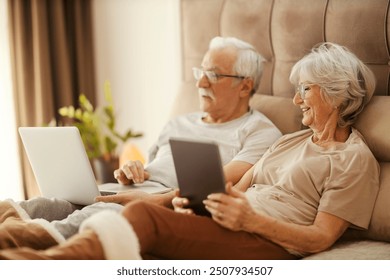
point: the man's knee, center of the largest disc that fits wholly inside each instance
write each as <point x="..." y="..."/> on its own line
<point x="131" y="208"/>
<point x="49" y="209"/>
<point x="138" y="210"/>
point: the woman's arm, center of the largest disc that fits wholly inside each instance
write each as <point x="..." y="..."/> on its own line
<point x="314" y="238"/>
<point x="235" y="170"/>
<point x="245" y="179"/>
<point x="234" y="212"/>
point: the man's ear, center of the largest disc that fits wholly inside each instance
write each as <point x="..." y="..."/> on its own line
<point x="246" y="87"/>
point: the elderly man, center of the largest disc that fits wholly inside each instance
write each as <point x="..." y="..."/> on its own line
<point x="228" y="77"/>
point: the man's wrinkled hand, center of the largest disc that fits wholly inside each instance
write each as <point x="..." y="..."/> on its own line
<point x="132" y="172"/>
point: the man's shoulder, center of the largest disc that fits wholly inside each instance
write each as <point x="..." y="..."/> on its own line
<point x="256" y="115"/>
<point x="258" y="120"/>
<point x="191" y="117"/>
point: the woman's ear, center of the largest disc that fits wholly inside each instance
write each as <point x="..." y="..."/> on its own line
<point x="246" y="87"/>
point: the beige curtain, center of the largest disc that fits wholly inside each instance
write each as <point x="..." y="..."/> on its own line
<point x="52" y="60"/>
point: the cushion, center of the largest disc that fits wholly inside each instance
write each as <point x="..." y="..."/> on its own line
<point x="374" y="124"/>
<point x="380" y="222"/>
<point x="379" y="228"/>
<point x="358" y="250"/>
<point x="280" y="110"/>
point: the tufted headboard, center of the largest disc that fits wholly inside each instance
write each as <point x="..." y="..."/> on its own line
<point x="283" y="31"/>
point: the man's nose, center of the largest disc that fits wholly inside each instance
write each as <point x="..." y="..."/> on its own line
<point x="203" y="82"/>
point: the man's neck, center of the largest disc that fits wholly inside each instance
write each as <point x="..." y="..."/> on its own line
<point x="223" y="118"/>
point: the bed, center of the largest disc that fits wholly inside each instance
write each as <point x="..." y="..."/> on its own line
<point x="283" y="31"/>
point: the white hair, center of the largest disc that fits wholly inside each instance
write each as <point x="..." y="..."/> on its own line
<point x="345" y="81"/>
<point x="249" y="62"/>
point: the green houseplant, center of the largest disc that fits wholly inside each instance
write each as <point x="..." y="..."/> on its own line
<point x="98" y="131"/>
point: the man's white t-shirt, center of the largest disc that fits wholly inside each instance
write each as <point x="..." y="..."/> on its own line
<point x="244" y="139"/>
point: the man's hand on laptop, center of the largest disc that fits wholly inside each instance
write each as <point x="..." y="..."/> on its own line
<point x="131" y="172"/>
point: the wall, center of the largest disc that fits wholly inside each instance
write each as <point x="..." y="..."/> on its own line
<point x="138" y="51"/>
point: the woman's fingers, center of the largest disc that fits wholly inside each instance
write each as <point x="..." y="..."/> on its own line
<point x="179" y="204"/>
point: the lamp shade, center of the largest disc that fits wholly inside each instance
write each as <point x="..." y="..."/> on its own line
<point x="130" y="152"/>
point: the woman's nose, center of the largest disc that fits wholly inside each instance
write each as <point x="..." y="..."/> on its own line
<point x="297" y="99"/>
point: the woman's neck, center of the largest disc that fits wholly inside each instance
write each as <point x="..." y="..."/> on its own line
<point x="330" y="136"/>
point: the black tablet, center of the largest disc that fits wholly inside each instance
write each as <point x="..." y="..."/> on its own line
<point x="199" y="171"/>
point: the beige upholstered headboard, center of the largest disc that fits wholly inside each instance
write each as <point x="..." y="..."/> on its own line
<point x="283" y="31"/>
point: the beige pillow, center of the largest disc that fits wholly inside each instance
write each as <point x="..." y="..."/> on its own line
<point x="380" y="222"/>
<point x="379" y="228"/>
<point x="374" y="124"/>
<point x="280" y="110"/>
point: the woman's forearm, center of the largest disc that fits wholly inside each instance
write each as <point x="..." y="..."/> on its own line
<point x="317" y="237"/>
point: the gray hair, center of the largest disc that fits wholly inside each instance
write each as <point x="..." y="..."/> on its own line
<point x="249" y="62"/>
<point x="345" y="81"/>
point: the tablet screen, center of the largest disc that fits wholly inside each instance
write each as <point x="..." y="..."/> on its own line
<point x="199" y="171"/>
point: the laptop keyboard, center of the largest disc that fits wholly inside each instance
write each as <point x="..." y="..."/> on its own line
<point x="103" y="193"/>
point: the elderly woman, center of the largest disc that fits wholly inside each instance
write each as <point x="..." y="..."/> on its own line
<point x="302" y="195"/>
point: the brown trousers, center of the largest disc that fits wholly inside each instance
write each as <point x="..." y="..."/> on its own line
<point x="165" y="234"/>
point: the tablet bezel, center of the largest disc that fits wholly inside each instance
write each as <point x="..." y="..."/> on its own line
<point x="199" y="171"/>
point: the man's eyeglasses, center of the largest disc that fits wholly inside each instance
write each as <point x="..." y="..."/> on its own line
<point x="301" y="89"/>
<point x="211" y="75"/>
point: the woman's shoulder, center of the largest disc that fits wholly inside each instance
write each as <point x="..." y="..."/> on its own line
<point x="356" y="137"/>
<point x="293" y="138"/>
<point x="357" y="144"/>
<point x="297" y="135"/>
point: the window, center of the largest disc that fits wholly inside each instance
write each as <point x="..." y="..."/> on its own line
<point x="10" y="173"/>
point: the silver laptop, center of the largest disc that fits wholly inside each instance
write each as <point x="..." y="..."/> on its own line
<point x="62" y="168"/>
